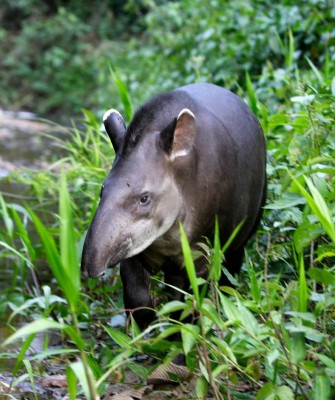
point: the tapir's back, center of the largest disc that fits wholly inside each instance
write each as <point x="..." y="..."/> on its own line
<point x="231" y="156"/>
<point x="234" y="115"/>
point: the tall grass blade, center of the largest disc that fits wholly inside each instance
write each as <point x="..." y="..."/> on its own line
<point x="17" y="253"/>
<point x="68" y="243"/>
<point x="255" y="286"/>
<point x="6" y="218"/>
<point x="79" y="371"/>
<point x="189" y="264"/>
<point x="55" y="262"/>
<point x="318" y="206"/>
<point x="303" y="292"/>
<point x="317" y="73"/>
<point x="34" y="327"/>
<point x="71" y="379"/>
<point x="290" y="53"/>
<point x="232" y="236"/>
<point x="22" y="231"/>
<point x="31" y="376"/>
<point x="215" y="271"/>
<point x="123" y="92"/>
<point x="251" y="94"/>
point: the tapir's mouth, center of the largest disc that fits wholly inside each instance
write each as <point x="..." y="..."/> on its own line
<point x="96" y="269"/>
<point x="120" y="254"/>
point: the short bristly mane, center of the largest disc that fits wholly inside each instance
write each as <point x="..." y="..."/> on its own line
<point x="154" y="116"/>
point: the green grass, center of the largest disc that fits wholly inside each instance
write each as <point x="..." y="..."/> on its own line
<point x="268" y="336"/>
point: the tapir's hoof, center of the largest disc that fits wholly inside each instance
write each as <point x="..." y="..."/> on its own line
<point x="168" y="373"/>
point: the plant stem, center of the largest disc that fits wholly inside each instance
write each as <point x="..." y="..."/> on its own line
<point x="92" y="389"/>
<point x="212" y="383"/>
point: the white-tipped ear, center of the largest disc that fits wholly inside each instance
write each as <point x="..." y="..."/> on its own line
<point x="115" y="127"/>
<point x="184" y="134"/>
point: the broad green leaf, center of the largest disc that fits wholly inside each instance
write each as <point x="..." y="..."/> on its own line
<point x="322" y="275"/>
<point x="273" y="356"/>
<point x="225" y="348"/>
<point x="79" y="371"/>
<point x="305" y="233"/>
<point x="189" y="334"/>
<point x="201" y="387"/>
<point x="266" y="391"/>
<point x="232" y="313"/>
<point x="135" y="330"/>
<point x="327" y="361"/>
<point x="322" y="387"/>
<point x="38" y="326"/>
<point x="210" y="312"/>
<point x="248" y="320"/>
<point x="71" y="379"/>
<point x="297" y="347"/>
<point x="286" y="201"/>
<point x="304" y="316"/>
<point x="310" y="333"/>
<point x="271" y="392"/>
<point x="120" y="338"/>
<point x="284" y="393"/>
<point x="305" y="100"/>
<point x="171" y="306"/>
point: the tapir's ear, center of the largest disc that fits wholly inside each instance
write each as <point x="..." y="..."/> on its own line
<point x="178" y="138"/>
<point x="115" y="127"/>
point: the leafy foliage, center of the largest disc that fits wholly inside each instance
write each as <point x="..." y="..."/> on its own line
<point x="272" y="330"/>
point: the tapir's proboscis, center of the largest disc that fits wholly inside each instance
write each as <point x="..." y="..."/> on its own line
<point x="189" y="156"/>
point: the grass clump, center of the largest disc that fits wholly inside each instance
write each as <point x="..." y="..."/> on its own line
<point x="270" y="334"/>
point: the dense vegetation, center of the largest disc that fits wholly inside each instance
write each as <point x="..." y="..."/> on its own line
<point x="268" y="336"/>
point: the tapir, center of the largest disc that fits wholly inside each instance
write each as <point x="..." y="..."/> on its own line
<point x="190" y="156"/>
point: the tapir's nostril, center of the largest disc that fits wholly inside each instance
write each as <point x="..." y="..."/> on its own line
<point x="86" y="273"/>
<point x="96" y="274"/>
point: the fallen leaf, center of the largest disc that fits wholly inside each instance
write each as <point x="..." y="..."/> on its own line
<point x="168" y="373"/>
<point x="54" y="381"/>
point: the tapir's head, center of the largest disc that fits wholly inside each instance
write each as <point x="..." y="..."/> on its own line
<point x="140" y="199"/>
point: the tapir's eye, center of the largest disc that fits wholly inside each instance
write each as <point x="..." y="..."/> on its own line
<point x="145" y="199"/>
<point x="101" y="190"/>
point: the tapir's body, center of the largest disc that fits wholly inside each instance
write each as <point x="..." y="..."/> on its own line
<point x="189" y="156"/>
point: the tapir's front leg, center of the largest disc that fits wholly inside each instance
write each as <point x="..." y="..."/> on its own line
<point x="136" y="296"/>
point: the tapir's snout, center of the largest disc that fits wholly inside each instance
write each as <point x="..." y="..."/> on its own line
<point x="86" y="273"/>
<point x="96" y="259"/>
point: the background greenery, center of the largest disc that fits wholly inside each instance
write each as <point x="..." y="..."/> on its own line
<point x="269" y="336"/>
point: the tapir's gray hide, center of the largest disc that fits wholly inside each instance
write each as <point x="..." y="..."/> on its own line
<point x="189" y="156"/>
